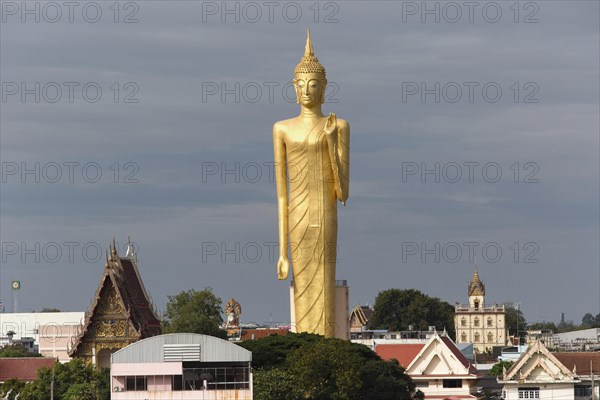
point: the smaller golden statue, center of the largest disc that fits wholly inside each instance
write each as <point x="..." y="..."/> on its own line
<point x="233" y="310"/>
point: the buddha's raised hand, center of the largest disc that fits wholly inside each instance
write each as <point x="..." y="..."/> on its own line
<point x="330" y="128"/>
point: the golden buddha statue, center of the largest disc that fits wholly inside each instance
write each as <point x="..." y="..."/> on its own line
<point x="312" y="161"/>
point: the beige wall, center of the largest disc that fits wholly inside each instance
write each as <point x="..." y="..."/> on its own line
<point x="467" y="332"/>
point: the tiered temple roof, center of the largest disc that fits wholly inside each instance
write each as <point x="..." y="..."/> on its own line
<point x="120" y="313"/>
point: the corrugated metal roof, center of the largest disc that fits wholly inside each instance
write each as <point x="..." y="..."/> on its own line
<point x="151" y="350"/>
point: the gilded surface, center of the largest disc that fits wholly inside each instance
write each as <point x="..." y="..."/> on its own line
<point x="312" y="150"/>
<point x="110" y="303"/>
<point x="111" y="328"/>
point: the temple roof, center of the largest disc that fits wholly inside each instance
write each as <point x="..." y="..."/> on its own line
<point x="476" y="286"/>
<point x="23" y="369"/>
<point x="122" y="274"/>
<point x="439" y="355"/>
<point x="362" y="313"/>
<point x="583" y="363"/>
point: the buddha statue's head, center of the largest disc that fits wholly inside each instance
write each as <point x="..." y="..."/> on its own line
<point x="310" y="80"/>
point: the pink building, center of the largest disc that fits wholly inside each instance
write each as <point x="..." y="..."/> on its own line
<point x="181" y="366"/>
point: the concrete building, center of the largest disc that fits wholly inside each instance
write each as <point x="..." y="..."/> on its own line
<point x="540" y="374"/>
<point x="437" y="367"/>
<point x="342" y="311"/>
<point x="181" y="366"/>
<point x="478" y="323"/>
<point x="581" y="340"/>
<point x="51" y="331"/>
<point x="373" y="338"/>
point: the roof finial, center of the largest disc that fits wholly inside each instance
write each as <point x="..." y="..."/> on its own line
<point x="114" y="246"/>
<point x="107" y="257"/>
<point x="308" y="49"/>
<point x="130" y="252"/>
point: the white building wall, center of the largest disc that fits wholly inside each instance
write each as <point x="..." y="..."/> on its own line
<point x="548" y="391"/>
<point x="51" y="331"/>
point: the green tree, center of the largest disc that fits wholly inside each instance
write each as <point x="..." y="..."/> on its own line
<point x="589" y="321"/>
<point x="397" y="309"/>
<point x="270" y="384"/>
<point x="567" y="326"/>
<point x="273" y="350"/>
<point x="12" y="384"/>
<point x="498" y="368"/>
<point x="306" y="366"/>
<point x="45" y="310"/>
<point x="543" y="325"/>
<point x="515" y="321"/>
<point x="16" y="350"/>
<point x="333" y="369"/>
<point x="82" y="391"/>
<point x="74" y="374"/>
<point x="194" y="311"/>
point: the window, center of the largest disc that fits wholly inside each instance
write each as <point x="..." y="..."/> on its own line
<point x="583" y="391"/>
<point x="529" y="392"/>
<point x="452" y="383"/>
<point x="463" y="337"/>
<point x="490" y="336"/>
<point x="135" y="383"/>
<point x="463" y="322"/>
<point x="477" y="337"/>
<point x="476" y="322"/>
<point x="421" y="384"/>
<point x="216" y="378"/>
<point x="177" y="382"/>
<point x="476" y="304"/>
<point x="489" y="322"/>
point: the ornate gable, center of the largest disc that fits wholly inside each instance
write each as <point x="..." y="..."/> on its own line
<point x="120" y="313"/>
<point x="538" y="365"/>
<point x="440" y="356"/>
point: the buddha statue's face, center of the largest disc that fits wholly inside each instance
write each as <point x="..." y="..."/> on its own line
<point x="310" y="89"/>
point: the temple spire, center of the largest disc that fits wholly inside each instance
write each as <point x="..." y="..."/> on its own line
<point x="476" y="286"/>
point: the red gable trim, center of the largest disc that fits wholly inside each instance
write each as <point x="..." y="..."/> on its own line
<point x="404" y="353"/>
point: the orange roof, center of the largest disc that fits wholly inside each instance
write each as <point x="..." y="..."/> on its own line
<point x="404" y="353"/>
<point x="23" y="368"/>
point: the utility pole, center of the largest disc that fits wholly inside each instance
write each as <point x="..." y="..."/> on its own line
<point x="52" y="384"/>
<point x="592" y="375"/>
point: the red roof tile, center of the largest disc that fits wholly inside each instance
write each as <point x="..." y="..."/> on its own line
<point x="580" y="359"/>
<point x="23" y="369"/>
<point x="261" y="333"/>
<point x="404" y="353"/>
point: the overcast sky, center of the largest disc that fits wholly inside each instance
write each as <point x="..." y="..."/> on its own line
<point x="474" y="126"/>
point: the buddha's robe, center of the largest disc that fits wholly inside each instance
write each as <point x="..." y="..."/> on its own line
<point x="312" y="215"/>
